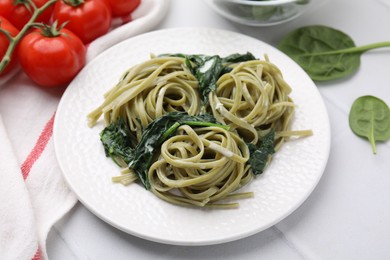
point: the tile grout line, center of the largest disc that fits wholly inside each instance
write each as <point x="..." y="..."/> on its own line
<point x="65" y="242"/>
<point x="289" y="243"/>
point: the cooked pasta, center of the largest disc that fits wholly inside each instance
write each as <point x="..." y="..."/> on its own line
<point x="253" y="97"/>
<point x="204" y="165"/>
<point x="179" y="152"/>
<point x="149" y="90"/>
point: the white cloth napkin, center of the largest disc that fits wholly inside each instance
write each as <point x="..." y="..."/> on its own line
<point x="33" y="193"/>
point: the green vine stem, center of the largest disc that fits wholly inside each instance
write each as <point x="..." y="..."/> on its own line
<point x="15" y="40"/>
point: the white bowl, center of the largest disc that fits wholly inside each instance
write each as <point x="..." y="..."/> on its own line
<point x="260" y="13"/>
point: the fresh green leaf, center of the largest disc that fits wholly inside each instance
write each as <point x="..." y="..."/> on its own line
<point x="259" y="155"/>
<point x="325" y="53"/>
<point x="370" y="118"/>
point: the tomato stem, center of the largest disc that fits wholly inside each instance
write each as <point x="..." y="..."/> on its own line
<point x="27" y="3"/>
<point x="50" y="30"/>
<point x="15" y="40"/>
<point x="74" y="3"/>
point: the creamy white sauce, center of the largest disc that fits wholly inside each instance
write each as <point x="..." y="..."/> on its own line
<point x="206" y="66"/>
<point x="219" y="106"/>
<point x="149" y="147"/>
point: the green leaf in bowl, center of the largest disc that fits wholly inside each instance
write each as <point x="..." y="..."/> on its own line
<point x="264" y="12"/>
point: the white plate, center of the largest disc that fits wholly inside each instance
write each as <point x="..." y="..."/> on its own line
<point x="291" y="177"/>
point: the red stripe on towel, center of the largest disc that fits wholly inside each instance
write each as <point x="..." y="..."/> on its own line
<point x="39" y="147"/>
<point x="37" y="255"/>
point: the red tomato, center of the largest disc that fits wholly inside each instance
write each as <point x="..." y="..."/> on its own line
<point x="52" y="60"/>
<point x="88" y="20"/>
<point x="4" y="43"/>
<point x="19" y="15"/>
<point x="122" y="7"/>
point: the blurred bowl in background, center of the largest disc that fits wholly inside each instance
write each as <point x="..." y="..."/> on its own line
<point x="260" y="12"/>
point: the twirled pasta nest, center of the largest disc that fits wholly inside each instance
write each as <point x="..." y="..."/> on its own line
<point x="199" y="165"/>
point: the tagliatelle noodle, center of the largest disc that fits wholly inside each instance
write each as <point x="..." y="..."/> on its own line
<point x="253" y="98"/>
<point x="147" y="91"/>
<point x="200" y="166"/>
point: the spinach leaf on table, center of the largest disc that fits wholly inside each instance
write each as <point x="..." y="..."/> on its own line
<point x="324" y="52"/>
<point x="370" y="118"/>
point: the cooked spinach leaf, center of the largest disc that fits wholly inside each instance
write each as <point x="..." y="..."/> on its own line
<point x="208" y="69"/>
<point x="260" y="154"/>
<point x="157" y="132"/>
<point x="325" y="53"/>
<point x="370" y="118"/>
<point x="117" y="142"/>
<point x="141" y="157"/>
<point x="237" y="57"/>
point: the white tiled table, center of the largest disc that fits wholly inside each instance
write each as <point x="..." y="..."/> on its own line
<point x="348" y="214"/>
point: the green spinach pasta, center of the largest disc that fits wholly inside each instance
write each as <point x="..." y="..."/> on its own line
<point x="194" y="129"/>
<point x="148" y="91"/>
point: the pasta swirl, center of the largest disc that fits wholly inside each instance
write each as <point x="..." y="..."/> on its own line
<point x="205" y="153"/>
<point x="200" y="166"/>
<point x="149" y="90"/>
<point x="253" y="95"/>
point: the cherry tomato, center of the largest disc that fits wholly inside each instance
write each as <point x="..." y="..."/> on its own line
<point x="18" y="14"/>
<point x="52" y="60"/>
<point x="4" y="43"/>
<point x="122" y="7"/>
<point x="88" y="19"/>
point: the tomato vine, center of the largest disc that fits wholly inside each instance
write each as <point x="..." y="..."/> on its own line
<point x="15" y="40"/>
